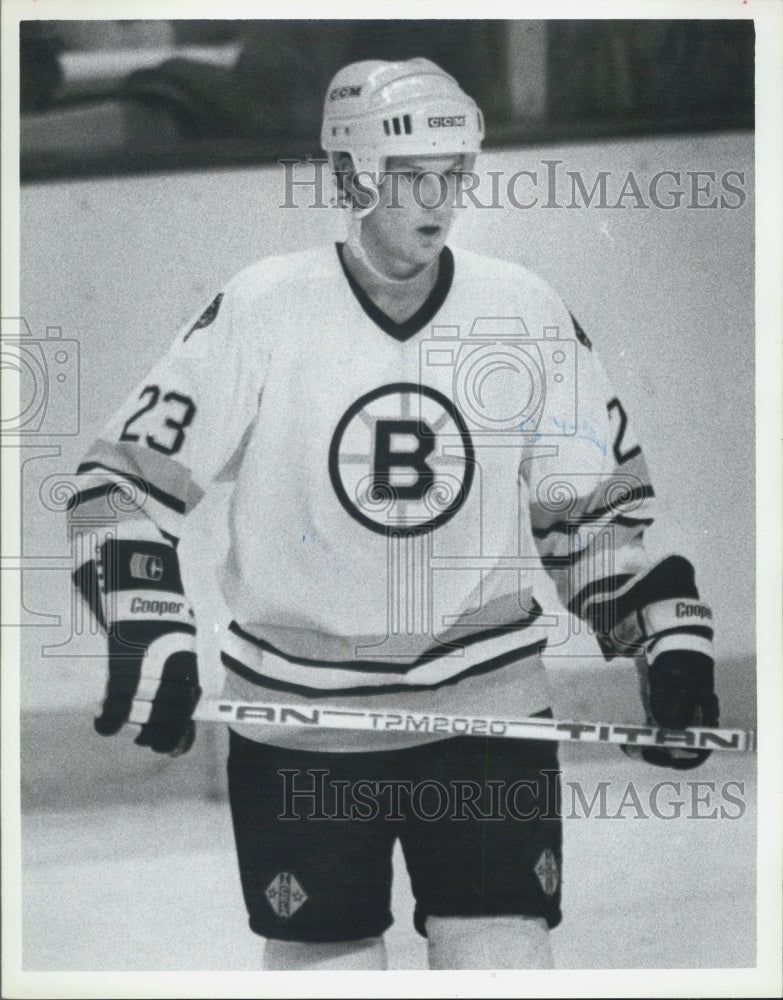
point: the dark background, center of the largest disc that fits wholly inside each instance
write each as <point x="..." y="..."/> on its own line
<point x="89" y="107"/>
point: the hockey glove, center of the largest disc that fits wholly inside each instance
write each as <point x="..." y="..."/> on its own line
<point x="153" y="675"/>
<point x="680" y="692"/>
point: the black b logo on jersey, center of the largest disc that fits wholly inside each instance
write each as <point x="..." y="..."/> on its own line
<point x="387" y="458"/>
<point x="401" y="459"/>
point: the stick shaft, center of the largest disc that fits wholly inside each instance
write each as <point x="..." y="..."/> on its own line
<point x="390" y="720"/>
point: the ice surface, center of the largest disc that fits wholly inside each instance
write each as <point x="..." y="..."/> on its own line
<point x="155" y="886"/>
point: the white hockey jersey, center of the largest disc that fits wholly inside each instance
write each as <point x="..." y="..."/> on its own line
<point x="398" y="488"/>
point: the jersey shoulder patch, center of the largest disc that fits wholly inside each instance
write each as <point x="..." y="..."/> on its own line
<point x="581" y="336"/>
<point x="207" y="317"/>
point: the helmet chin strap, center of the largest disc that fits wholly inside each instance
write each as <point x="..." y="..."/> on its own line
<point x="357" y="250"/>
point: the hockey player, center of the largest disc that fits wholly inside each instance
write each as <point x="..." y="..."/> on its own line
<point x="414" y="434"/>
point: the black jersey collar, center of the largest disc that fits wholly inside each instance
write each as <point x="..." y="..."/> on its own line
<point x="422" y="316"/>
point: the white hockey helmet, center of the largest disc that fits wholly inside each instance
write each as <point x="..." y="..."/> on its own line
<point x="377" y="109"/>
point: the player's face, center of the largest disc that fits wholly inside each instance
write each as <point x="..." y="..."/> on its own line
<point x="408" y="228"/>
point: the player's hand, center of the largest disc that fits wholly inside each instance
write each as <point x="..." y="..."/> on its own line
<point x="681" y="693"/>
<point x="155" y="686"/>
<point x="153" y="675"/>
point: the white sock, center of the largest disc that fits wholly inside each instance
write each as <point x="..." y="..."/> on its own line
<point x="507" y="942"/>
<point x="290" y="956"/>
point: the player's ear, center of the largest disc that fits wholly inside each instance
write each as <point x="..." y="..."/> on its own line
<point x="354" y="190"/>
<point x="343" y="170"/>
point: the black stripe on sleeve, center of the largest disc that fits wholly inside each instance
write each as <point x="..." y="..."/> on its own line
<point x="638" y="493"/>
<point x="166" y="499"/>
<point x="91" y="494"/>
<point x="633" y="522"/>
<point x="671" y="578"/>
<point x="103" y="491"/>
<point x="604" y="585"/>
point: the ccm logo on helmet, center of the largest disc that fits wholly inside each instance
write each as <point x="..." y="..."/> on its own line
<point x="449" y="121"/>
<point x="339" y="92"/>
<point x="684" y="610"/>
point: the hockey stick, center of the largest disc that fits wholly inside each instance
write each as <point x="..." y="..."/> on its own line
<point x="537" y="728"/>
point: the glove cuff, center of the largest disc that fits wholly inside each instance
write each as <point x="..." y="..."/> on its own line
<point x="157" y="607"/>
<point x="682" y="624"/>
<point x="133" y="638"/>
